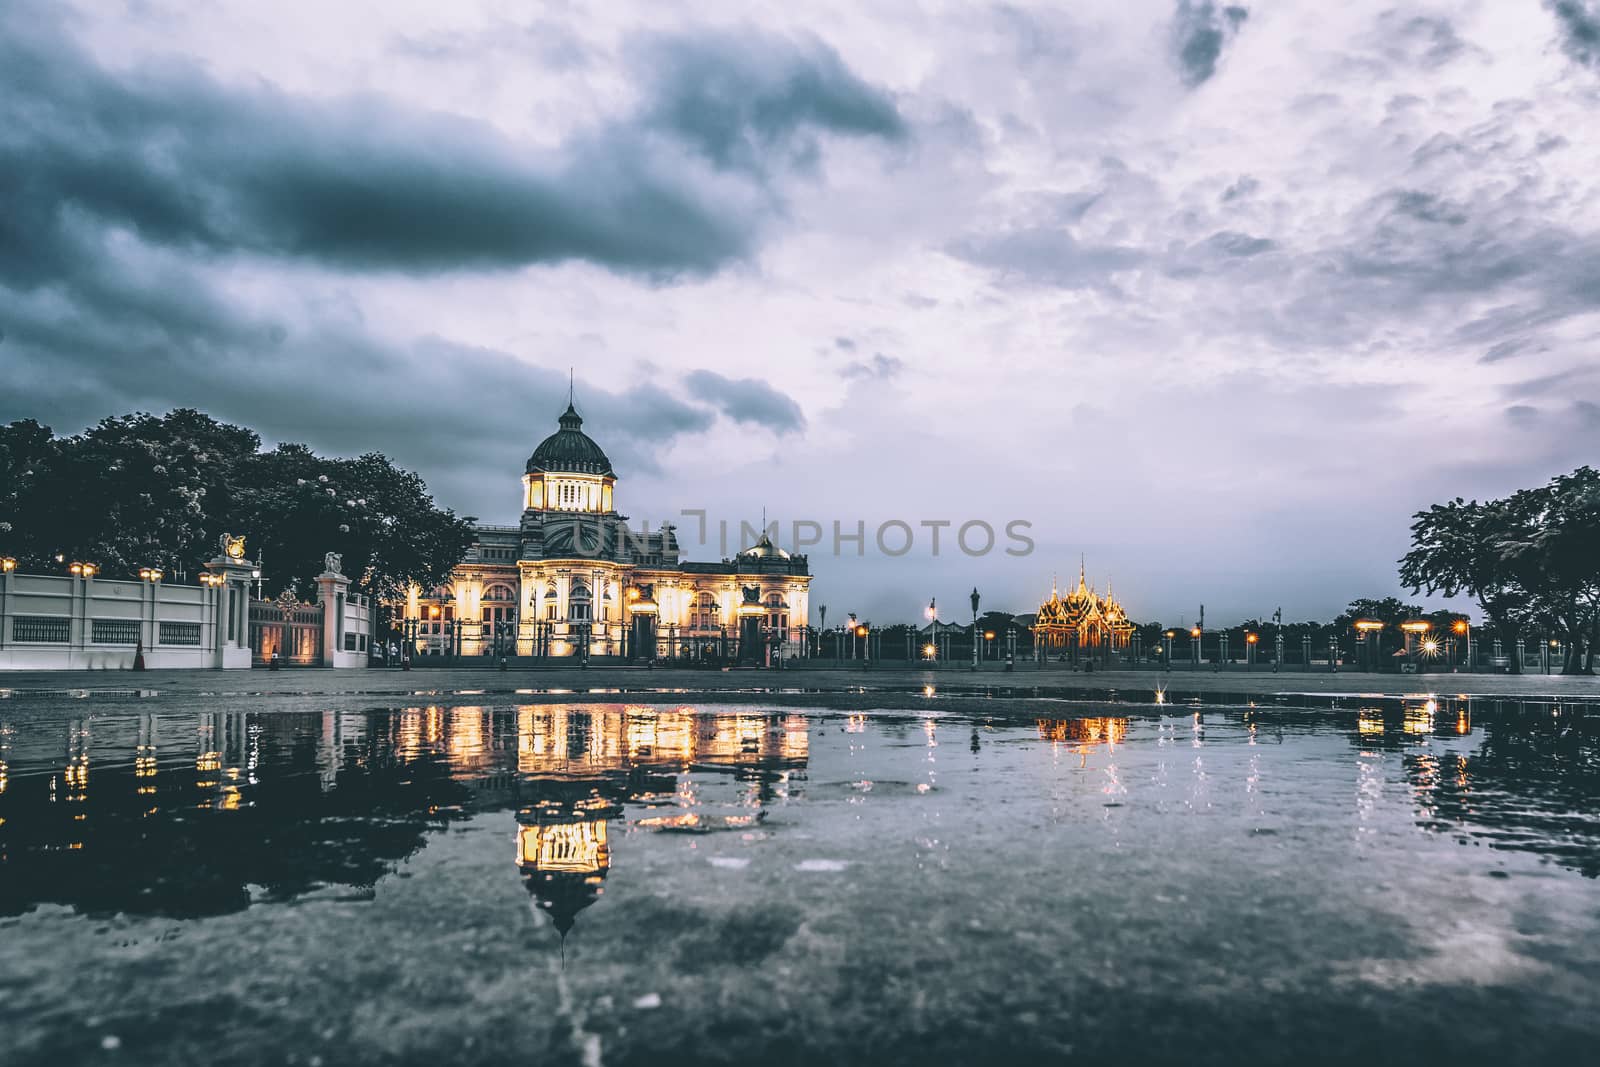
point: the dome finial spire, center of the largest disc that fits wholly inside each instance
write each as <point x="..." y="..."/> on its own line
<point x="572" y="387"/>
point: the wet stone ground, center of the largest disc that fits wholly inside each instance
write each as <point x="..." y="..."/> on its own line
<point x="652" y="883"/>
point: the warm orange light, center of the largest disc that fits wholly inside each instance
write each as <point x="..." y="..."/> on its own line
<point x="988" y="635"/>
<point x="1251" y="638"/>
<point x="7" y="565"/>
<point x="1460" y="626"/>
<point x="1171" y="634"/>
<point x="1416" y="626"/>
<point x="434" y="611"/>
<point x="1366" y="625"/>
<point x="1195" y="632"/>
<point x="861" y="631"/>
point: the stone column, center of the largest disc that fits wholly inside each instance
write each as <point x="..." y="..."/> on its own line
<point x="331" y="592"/>
<point x="232" y="647"/>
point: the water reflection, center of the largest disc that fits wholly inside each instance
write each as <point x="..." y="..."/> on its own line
<point x="189" y="815"/>
<point x="1530" y="785"/>
<point x="1087" y="731"/>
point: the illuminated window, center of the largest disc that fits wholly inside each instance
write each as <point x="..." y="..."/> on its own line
<point x="578" y="603"/>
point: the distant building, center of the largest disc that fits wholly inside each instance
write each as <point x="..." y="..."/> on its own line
<point x="574" y="579"/>
<point x="1082" y="623"/>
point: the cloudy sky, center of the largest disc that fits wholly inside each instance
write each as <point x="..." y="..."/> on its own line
<point x="1214" y="295"/>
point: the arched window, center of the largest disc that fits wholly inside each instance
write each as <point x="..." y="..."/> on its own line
<point x="550" y="602"/>
<point x="704" y="615"/>
<point x="777" y="612"/>
<point x="578" y="602"/>
<point x="499" y="604"/>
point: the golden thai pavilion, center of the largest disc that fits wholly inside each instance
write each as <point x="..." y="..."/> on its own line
<point x="1082" y="622"/>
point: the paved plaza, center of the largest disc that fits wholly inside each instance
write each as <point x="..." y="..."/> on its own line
<point x="833" y="681"/>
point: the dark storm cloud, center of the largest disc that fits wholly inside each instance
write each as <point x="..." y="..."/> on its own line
<point x="1503" y="350"/>
<point x="1047" y="256"/>
<point x="879" y="367"/>
<point x="1199" y="32"/>
<point x="747" y="400"/>
<point x="183" y="161"/>
<point x="1419" y="40"/>
<point x="1579" y="24"/>
<point x="1427" y="207"/>
<point x="127" y="194"/>
<point x="1240" y="189"/>
<point x="744" y="101"/>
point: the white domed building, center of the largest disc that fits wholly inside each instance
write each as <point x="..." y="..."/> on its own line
<point x="574" y="579"/>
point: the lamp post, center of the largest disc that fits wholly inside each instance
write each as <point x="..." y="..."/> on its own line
<point x="1414" y="629"/>
<point x="1277" y="640"/>
<point x="1194" y="648"/>
<point x="1169" y="635"/>
<point x="1371" y="631"/>
<point x="150" y="575"/>
<point x="933" y="631"/>
<point x="1250" y="651"/>
<point x="866" y="647"/>
<point x="974" y="627"/>
<point x="1464" y="628"/>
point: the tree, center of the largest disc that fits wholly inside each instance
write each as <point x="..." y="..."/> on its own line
<point x="144" y="490"/>
<point x="1529" y="559"/>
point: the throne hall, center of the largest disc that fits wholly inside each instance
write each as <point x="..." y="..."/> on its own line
<point x="574" y="579"/>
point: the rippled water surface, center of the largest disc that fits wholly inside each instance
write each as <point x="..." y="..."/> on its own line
<point x="608" y="883"/>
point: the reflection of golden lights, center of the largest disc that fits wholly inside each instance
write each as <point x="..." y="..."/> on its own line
<point x="1419" y="720"/>
<point x="1463" y="722"/>
<point x="1084" y="731"/>
<point x="855" y="724"/>
<point x="1369" y="722"/>
<point x="579" y="847"/>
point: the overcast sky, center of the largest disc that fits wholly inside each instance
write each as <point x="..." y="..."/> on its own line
<point x="1214" y="295"/>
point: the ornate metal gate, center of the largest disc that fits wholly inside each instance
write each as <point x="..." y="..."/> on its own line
<point x="291" y="629"/>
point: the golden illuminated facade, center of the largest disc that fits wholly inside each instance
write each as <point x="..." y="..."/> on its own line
<point x="573" y="578"/>
<point x="1082" y="621"/>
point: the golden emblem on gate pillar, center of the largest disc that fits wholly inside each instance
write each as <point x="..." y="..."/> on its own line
<point x="232" y="547"/>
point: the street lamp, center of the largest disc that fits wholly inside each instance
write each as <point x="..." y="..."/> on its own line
<point x="1194" y="649"/>
<point x="1169" y="635"/>
<point x="932" y="612"/>
<point x="974" y="627"/>
<point x="988" y="638"/>
<point x="1463" y="627"/>
<point x="1250" y="651"/>
<point x="7" y="564"/>
<point x="83" y="570"/>
<point x="150" y="574"/>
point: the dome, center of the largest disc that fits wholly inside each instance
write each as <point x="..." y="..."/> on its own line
<point x="764" y="549"/>
<point x="569" y="450"/>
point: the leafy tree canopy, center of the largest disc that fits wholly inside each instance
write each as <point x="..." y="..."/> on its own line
<point x="146" y="490"/>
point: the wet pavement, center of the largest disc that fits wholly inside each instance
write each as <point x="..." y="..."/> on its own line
<point x="938" y="879"/>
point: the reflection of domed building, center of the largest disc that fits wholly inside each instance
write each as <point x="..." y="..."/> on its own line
<point x="564" y="857"/>
<point x="574" y="578"/>
<point x="577" y="766"/>
<point x="1083" y="621"/>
